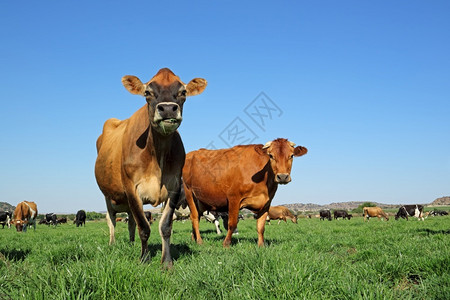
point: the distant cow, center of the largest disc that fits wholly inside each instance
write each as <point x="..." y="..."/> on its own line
<point x="148" y="216"/>
<point x="435" y="213"/>
<point x="370" y="212"/>
<point x="245" y="176"/>
<point x="214" y="216"/>
<point x="340" y="213"/>
<point x="406" y="211"/>
<point x="61" y="220"/>
<point x="280" y="213"/>
<point x="5" y="218"/>
<point x="80" y="218"/>
<point x="325" y="214"/>
<point x="43" y="221"/>
<point x="51" y="219"/>
<point x="25" y="215"/>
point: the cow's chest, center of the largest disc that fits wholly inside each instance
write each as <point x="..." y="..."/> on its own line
<point x="152" y="191"/>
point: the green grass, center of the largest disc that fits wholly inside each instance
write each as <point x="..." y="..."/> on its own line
<point x="310" y="260"/>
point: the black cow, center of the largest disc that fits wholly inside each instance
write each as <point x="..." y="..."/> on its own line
<point x="406" y="211"/>
<point x="43" y="221"/>
<point x="80" y="218"/>
<point x="148" y="216"/>
<point x="61" y="220"/>
<point x="340" y="213"/>
<point x="5" y="218"/>
<point x="325" y="214"/>
<point x="435" y="213"/>
<point x="51" y="219"/>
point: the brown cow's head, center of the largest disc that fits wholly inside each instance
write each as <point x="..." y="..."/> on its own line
<point x="281" y="153"/>
<point x="165" y="94"/>
<point x="19" y="224"/>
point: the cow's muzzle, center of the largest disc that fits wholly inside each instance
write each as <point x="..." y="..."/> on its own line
<point x="168" y="116"/>
<point x="283" y="178"/>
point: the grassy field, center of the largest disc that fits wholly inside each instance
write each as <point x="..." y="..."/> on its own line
<point x="310" y="260"/>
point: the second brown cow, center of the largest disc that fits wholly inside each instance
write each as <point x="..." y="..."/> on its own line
<point x="235" y="178"/>
<point x="281" y="213"/>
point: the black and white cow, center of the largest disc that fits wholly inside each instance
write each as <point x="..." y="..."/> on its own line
<point x="325" y="214"/>
<point x="415" y="210"/>
<point x="436" y="213"/>
<point x="80" y="218"/>
<point x="5" y="218"/>
<point x="51" y="219"/>
<point x="214" y="216"/>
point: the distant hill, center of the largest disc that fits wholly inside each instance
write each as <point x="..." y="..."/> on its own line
<point x="300" y="207"/>
<point x="6" y="207"/>
<point x="445" y="201"/>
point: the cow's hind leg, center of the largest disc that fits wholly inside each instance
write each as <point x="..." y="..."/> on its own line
<point x="194" y="215"/>
<point x="131" y="227"/>
<point x="233" y="214"/>
<point x="111" y="221"/>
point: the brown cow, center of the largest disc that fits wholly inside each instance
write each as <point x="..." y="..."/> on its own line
<point x="280" y="213"/>
<point x="140" y="159"/>
<point x="236" y="178"/>
<point x="374" y="212"/>
<point x="25" y="215"/>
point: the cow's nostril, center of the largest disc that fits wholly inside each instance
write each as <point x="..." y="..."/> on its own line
<point x="160" y="108"/>
<point x="174" y="108"/>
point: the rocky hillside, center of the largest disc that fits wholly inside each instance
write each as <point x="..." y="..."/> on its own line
<point x="6" y="207"/>
<point x="441" y="201"/>
<point x="300" y="207"/>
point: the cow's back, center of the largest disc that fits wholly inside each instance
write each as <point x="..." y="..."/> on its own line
<point x="109" y="160"/>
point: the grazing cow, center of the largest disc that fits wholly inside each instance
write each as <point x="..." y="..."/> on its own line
<point x="280" y="213"/>
<point x="325" y="214"/>
<point x="5" y="218"/>
<point x="435" y="213"/>
<point x="235" y="178"/>
<point x="340" y="213"/>
<point x="214" y="216"/>
<point x="25" y="215"/>
<point x="140" y="159"/>
<point x="406" y="211"/>
<point x="80" y="218"/>
<point x="370" y="212"/>
<point x="61" y="220"/>
<point x="43" y="221"/>
<point x="51" y="219"/>
<point x="148" y="216"/>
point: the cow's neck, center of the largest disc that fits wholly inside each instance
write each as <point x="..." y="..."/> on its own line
<point x="159" y="146"/>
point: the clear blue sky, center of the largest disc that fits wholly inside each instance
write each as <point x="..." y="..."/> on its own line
<point x="364" y="85"/>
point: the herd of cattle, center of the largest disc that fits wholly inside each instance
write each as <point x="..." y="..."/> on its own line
<point x="141" y="160"/>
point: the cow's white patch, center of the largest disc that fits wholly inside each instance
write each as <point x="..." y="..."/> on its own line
<point x="416" y="213"/>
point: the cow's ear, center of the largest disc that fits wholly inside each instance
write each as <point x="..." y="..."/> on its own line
<point x="299" y="151"/>
<point x="260" y="149"/>
<point x="133" y="84"/>
<point x="196" y="86"/>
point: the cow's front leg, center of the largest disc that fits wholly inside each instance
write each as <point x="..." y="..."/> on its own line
<point x="137" y="210"/>
<point x="260" y="227"/>
<point x="233" y="214"/>
<point x="165" y="228"/>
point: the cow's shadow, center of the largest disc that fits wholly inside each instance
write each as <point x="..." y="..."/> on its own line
<point x="236" y="239"/>
<point x="15" y="254"/>
<point x="431" y="231"/>
<point x="176" y="250"/>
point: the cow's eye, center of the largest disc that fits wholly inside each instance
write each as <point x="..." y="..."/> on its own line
<point x="149" y="94"/>
<point x="292" y="156"/>
<point x="182" y="93"/>
<point x="270" y="156"/>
